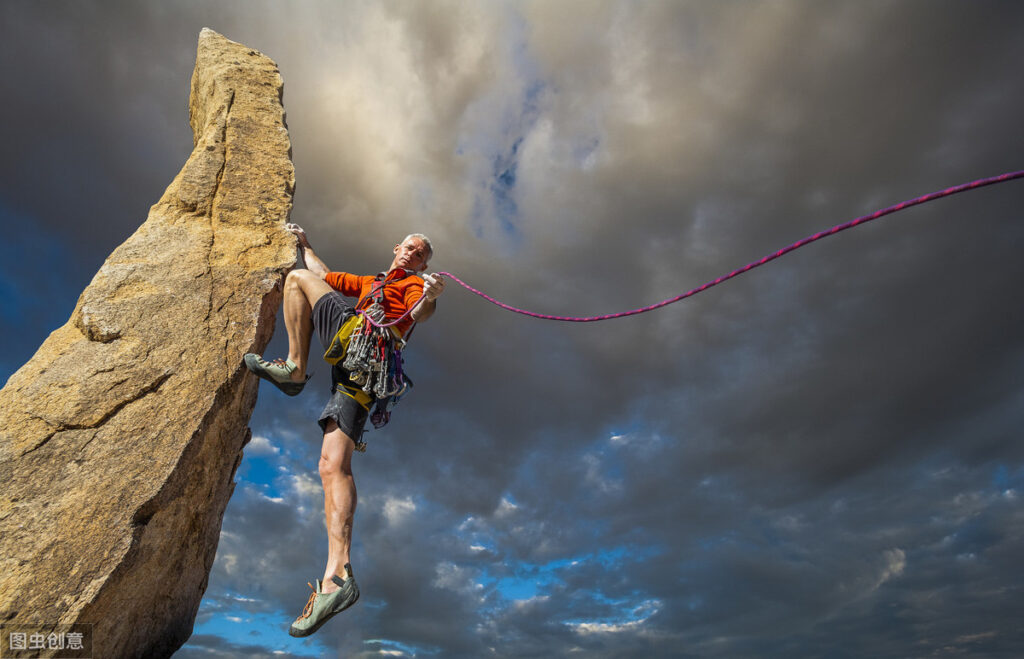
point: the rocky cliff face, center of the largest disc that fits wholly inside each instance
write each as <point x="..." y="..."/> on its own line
<point x="119" y="439"/>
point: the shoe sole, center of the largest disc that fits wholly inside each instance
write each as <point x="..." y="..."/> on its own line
<point x="289" y="388"/>
<point x="301" y="633"/>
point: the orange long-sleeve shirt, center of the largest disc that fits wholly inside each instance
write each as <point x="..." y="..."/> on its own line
<point x="401" y="291"/>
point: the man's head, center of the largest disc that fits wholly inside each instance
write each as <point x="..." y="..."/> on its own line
<point x="413" y="253"/>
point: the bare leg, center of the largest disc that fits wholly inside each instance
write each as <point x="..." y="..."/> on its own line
<point x="302" y="289"/>
<point x="339" y="499"/>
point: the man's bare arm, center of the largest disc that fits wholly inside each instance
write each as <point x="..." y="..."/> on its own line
<point x="433" y="286"/>
<point x="313" y="262"/>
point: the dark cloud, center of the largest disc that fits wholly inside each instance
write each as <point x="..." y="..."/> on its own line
<point x="818" y="458"/>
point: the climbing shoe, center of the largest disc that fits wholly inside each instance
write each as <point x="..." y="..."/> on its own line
<point x="321" y="606"/>
<point x="278" y="373"/>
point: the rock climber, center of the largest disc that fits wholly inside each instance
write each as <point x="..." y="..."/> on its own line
<point x="313" y="302"/>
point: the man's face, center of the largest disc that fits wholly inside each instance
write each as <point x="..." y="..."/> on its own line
<point x="411" y="255"/>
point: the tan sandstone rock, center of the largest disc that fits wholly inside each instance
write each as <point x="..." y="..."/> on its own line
<point x="119" y="439"/>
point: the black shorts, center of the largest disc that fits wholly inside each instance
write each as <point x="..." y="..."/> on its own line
<point x="329" y="313"/>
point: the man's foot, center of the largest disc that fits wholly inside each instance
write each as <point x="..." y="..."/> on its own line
<point x="278" y="373"/>
<point x="321" y="606"/>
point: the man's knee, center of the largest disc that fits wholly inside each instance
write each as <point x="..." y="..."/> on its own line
<point x="296" y="275"/>
<point x="334" y="467"/>
<point x="336" y="455"/>
<point x="307" y="283"/>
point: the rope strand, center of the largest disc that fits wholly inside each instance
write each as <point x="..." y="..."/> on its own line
<point x="1009" y="176"/>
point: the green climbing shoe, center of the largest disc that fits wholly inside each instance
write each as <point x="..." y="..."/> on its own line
<point x="321" y="606"/>
<point x="278" y="373"/>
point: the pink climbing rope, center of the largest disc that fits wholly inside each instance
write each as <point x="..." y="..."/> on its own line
<point x="739" y="271"/>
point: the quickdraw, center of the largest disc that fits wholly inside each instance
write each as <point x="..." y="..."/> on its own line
<point x="374" y="357"/>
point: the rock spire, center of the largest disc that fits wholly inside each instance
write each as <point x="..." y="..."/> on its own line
<point x="119" y="439"/>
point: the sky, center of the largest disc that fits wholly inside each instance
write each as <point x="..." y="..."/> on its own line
<point x="820" y="458"/>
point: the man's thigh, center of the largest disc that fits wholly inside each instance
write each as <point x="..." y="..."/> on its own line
<point x="312" y="285"/>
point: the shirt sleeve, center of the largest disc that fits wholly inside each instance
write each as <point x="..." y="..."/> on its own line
<point x="413" y="292"/>
<point x="344" y="282"/>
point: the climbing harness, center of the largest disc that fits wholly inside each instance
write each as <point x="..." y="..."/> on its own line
<point x="739" y="271"/>
<point x="371" y="354"/>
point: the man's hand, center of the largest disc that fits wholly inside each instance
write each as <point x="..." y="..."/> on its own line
<point x="313" y="262"/>
<point x="433" y="286"/>
<point x="300" y="233"/>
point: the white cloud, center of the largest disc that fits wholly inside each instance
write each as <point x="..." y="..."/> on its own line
<point x="640" y="615"/>
<point x="505" y="508"/>
<point x="306" y="489"/>
<point x="397" y="511"/>
<point x="605" y="627"/>
<point x="892" y="564"/>
<point x="895" y="563"/>
<point x="228" y="561"/>
<point x="449" y="576"/>
<point x="262" y="447"/>
<point x="530" y="602"/>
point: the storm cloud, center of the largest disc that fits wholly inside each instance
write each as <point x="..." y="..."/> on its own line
<point x="822" y="457"/>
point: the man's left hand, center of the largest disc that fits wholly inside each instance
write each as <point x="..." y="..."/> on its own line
<point x="433" y="286"/>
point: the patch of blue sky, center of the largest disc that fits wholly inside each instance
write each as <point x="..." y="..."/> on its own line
<point x="245" y="628"/>
<point x="500" y="190"/>
<point x="40" y="281"/>
<point x="502" y="194"/>
<point x="517" y="588"/>
<point x="527" y="580"/>
<point x="618" y="556"/>
<point x="1005" y="479"/>
<point x="263" y="472"/>
<point x="268" y="466"/>
<point x="391" y="648"/>
<point x="10" y="310"/>
<point x="26" y="249"/>
<point x="496" y="204"/>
